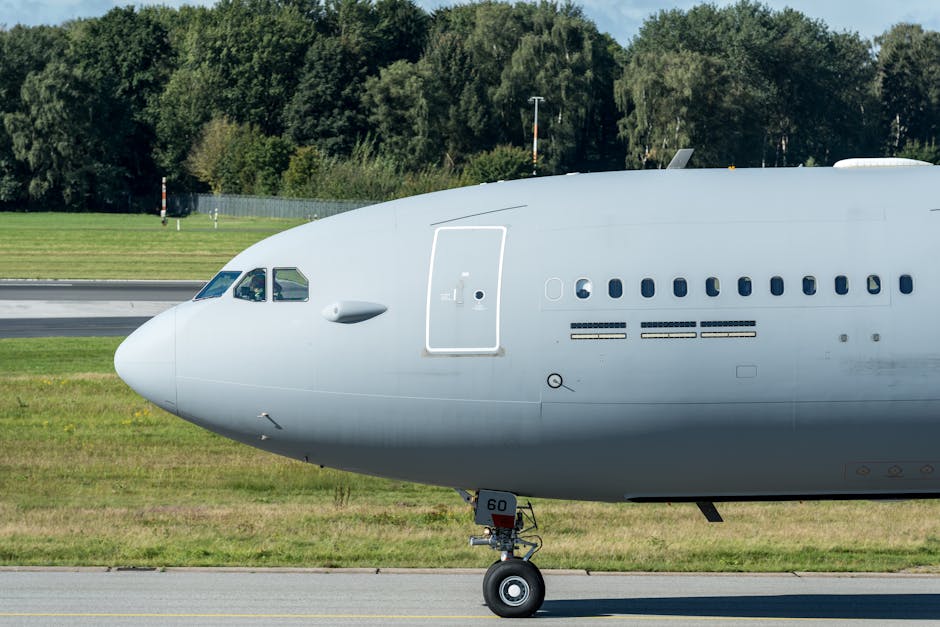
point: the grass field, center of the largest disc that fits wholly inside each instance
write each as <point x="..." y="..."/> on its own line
<point x="91" y="474"/>
<point x="121" y="246"/>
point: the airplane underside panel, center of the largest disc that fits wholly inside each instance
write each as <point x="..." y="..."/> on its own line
<point x="605" y="452"/>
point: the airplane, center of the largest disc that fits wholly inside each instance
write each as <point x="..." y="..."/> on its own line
<point x="674" y="335"/>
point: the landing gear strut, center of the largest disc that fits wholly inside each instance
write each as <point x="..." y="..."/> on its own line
<point x="513" y="586"/>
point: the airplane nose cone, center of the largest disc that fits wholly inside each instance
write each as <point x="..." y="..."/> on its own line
<point x="146" y="360"/>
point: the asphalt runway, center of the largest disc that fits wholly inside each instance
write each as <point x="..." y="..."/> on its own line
<point x="378" y="597"/>
<point x="165" y="291"/>
<point x="85" y="308"/>
<point x="70" y="327"/>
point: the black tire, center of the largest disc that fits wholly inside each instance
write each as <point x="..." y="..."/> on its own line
<point x="513" y="589"/>
<point x="489" y="573"/>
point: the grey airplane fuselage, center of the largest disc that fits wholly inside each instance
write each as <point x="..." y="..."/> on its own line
<point x="500" y="353"/>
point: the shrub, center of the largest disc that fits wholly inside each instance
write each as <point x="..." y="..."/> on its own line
<point x="502" y="163"/>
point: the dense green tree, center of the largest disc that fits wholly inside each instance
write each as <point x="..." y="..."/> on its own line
<point x="59" y="136"/>
<point x="401" y="30"/>
<point x="384" y="99"/>
<point x="381" y="31"/>
<point x="326" y="108"/>
<point x="482" y="63"/>
<point x="786" y="88"/>
<point x="908" y="86"/>
<point x="672" y="105"/>
<point x="400" y="106"/>
<point x="127" y="51"/>
<point x="126" y="56"/>
<point x="256" y="49"/>
<point x="352" y="20"/>
<point x="463" y="115"/>
<point x="459" y="85"/>
<point x="188" y="101"/>
<point x="12" y="172"/>
<point x="469" y="49"/>
<point x="562" y="58"/>
<point x="22" y="51"/>
<point x="206" y="161"/>
<point x="241" y="59"/>
<point x="301" y="178"/>
<point x="239" y="159"/>
<point x="819" y="91"/>
<point x="265" y="160"/>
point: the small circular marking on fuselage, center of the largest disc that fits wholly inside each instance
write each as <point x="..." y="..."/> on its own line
<point x="555" y="381"/>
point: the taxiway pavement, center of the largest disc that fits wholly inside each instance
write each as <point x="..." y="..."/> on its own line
<point x="85" y="308"/>
<point x="405" y="597"/>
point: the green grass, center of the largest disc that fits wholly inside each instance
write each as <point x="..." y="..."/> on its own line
<point x="57" y="356"/>
<point x="122" y="246"/>
<point x="91" y="474"/>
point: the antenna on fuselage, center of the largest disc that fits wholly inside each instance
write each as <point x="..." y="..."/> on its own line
<point x="680" y="159"/>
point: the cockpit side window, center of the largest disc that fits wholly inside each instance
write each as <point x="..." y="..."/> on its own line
<point x="219" y="283"/>
<point x="253" y="286"/>
<point x="290" y="285"/>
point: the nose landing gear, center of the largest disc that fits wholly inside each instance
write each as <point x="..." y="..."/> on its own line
<point x="513" y="587"/>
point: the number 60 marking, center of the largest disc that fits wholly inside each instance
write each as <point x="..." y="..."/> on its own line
<point x="497" y="505"/>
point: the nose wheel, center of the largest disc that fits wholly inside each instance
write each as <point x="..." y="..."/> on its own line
<point x="513" y="587"/>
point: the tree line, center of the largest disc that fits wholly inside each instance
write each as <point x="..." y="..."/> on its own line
<point x="376" y="99"/>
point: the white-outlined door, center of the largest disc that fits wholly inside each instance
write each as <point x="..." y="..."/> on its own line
<point x="464" y="285"/>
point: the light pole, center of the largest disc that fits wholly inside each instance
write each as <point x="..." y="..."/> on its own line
<point x="535" y="133"/>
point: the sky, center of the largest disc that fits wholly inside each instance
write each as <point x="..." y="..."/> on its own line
<point x="620" y="18"/>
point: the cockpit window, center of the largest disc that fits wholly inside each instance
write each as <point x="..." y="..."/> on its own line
<point x="290" y="285"/>
<point x="252" y="287"/>
<point x="219" y="283"/>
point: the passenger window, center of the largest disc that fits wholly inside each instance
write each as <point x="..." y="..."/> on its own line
<point x="583" y="288"/>
<point x="647" y="288"/>
<point x="744" y="286"/>
<point x="680" y="287"/>
<point x="776" y="286"/>
<point x="809" y="285"/>
<point x="252" y="287"/>
<point x="217" y="286"/>
<point x="290" y="285"/>
<point x="906" y="284"/>
<point x="712" y="286"/>
<point x="615" y="288"/>
<point x="874" y="284"/>
<point x="842" y="285"/>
